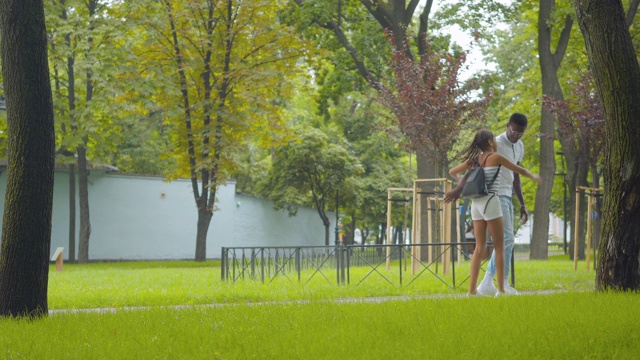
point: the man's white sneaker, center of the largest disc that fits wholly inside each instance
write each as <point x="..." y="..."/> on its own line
<point x="487" y="289"/>
<point x="510" y="290"/>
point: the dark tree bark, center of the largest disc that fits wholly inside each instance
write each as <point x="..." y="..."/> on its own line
<point x="549" y="65"/>
<point x="83" y="194"/>
<point x="617" y="74"/>
<point x="26" y="228"/>
<point x="83" y="172"/>
<point x="71" y="100"/>
<point x="71" y="253"/>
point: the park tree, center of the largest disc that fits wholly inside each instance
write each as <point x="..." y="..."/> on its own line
<point x="311" y="170"/>
<point x="343" y="18"/>
<point x="85" y="39"/>
<point x="430" y="103"/>
<point x="551" y="52"/>
<point x="516" y="75"/>
<point x="582" y="117"/>
<point x="383" y="163"/>
<point x="407" y="21"/>
<point x="26" y="226"/>
<point x="617" y="77"/>
<point x="218" y="65"/>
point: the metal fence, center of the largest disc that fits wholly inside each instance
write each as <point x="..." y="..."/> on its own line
<point x="396" y="264"/>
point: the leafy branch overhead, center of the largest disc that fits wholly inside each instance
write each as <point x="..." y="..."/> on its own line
<point x="429" y="100"/>
<point x="582" y="118"/>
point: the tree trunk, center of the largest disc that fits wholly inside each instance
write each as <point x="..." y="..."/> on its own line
<point x="85" y="224"/>
<point x="204" y="219"/>
<point x="26" y="227"/>
<point x="617" y="74"/>
<point x="350" y="231"/>
<point x="71" y="253"/>
<point x="549" y="64"/>
<point x="578" y="179"/>
<point x="426" y="169"/>
<point x="327" y="227"/>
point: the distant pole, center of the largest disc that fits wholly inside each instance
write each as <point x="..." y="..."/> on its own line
<point x="564" y="216"/>
<point x="337" y="219"/>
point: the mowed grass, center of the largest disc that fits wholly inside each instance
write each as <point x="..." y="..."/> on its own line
<point x="573" y="325"/>
<point x="182" y="310"/>
<point x="120" y="284"/>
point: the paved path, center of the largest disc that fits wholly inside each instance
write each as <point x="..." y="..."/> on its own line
<point x="377" y="299"/>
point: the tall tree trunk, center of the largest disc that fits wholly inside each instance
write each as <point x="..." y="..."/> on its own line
<point x="617" y="74"/>
<point x="426" y="169"/>
<point x="26" y="227"/>
<point x="549" y="65"/>
<point x="71" y="100"/>
<point x="83" y="173"/>
<point x="204" y="220"/>
<point x="71" y="253"/>
<point x="83" y="192"/>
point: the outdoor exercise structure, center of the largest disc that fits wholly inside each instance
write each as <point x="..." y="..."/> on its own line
<point x="592" y="196"/>
<point x="438" y="214"/>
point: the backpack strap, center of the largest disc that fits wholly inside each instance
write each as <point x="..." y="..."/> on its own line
<point x="486" y="157"/>
<point x="493" y="179"/>
<point x="495" y="176"/>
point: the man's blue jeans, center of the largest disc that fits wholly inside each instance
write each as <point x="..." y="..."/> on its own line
<point x="507" y="214"/>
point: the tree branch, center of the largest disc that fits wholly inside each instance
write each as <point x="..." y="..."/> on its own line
<point x="423" y="27"/>
<point x="378" y="13"/>
<point x="631" y="12"/>
<point x="563" y="42"/>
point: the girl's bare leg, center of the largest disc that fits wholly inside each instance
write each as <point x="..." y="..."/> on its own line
<point x="496" y="229"/>
<point x="480" y="232"/>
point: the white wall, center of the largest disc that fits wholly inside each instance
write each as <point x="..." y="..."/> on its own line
<point x="141" y="217"/>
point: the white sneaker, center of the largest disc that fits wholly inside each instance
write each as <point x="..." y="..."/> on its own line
<point x="486" y="288"/>
<point x="510" y="290"/>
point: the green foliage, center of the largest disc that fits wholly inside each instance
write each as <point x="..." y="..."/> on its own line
<point x="310" y="170"/>
<point x="219" y="102"/>
<point x="478" y="18"/>
<point x="383" y="162"/>
<point x="335" y="66"/>
<point x="88" y="55"/>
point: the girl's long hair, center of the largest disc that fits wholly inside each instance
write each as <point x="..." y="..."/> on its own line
<point x="479" y="144"/>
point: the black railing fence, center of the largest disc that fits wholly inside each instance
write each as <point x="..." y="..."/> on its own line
<point x="397" y="264"/>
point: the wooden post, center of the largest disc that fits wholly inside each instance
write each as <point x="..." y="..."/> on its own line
<point x="417" y="221"/>
<point x="58" y="257"/>
<point x="591" y="193"/>
<point x="458" y="232"/>
<point x="419" y="239"/>
<point x="414" y="237"/>
<point x="590" y="200"/>
<point x="389" y="207"/>
<point x="446" y="226"/>
<point x="576" y="231"/>
<point x="429" y="231"/>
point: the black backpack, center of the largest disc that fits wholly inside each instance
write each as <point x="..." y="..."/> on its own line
<point x="476" y="186"/>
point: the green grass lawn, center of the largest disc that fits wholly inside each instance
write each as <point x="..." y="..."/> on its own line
<point x="574" y="325"/>
<point x="98" y="285"/>
<point x="290" y="320"/>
